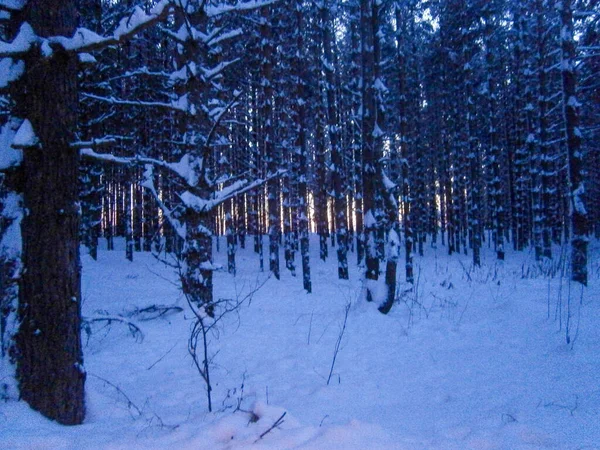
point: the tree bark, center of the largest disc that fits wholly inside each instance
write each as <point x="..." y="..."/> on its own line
<point x="50" y="362"/>
<point x="579" y="225"/>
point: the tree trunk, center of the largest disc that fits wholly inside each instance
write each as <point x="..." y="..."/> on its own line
<point x="50" y="362"/>
<point x="579" y="225"/>
<point x="338" y="191"/>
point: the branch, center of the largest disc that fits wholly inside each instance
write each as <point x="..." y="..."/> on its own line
<point x="94" y="143"/>
<point x="214" y="11"/>
<point x="128" y="27"/>
<point x="149" y="184"/>
<point x="135" y="330"/>
<point x="135" y="160"/>
<point x="84" y="40"/>
<point x="181" y="104"/>
<point x="275" y="424"/>
<point x="220" y="115"/>
<point x="130" y="404"/>
<point x="209" y="74"/>
<point x="155" y="311"/>
<point x="199" y="204"/>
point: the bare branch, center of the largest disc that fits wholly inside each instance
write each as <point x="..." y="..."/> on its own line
<point x="275" y="425"/>
<point x="219" y="116"/>
<point x="134" y="329"/>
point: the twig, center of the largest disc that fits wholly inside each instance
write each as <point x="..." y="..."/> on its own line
<point x="130" y="404"/>
<point x="323" y="420"/>
<point x="155" y="311"/>
<point x="135" y="331"/>
<point x="465" y="270"/>
<point x="310" y="328"/>
<point x="339" y="341"/>
<point x="161" y="358"/>
<point x="275" y="424"/>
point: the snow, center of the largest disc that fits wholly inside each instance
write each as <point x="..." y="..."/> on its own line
<point x="573" y="102"/>
<point x="9" y="157"/>
<point x="87" y="58"/>
<point x="578" y="204"/>
<point x="370" y="221"/>
<point x="377" y="131"/>
<point x="188" y="168"/>
<point x="82" y="37"/>
<point x="25" y="136"/>
<point x="194" y="202"/>
<point x="10" y="71"/>
<point x="387" y="183"/>
<point x="467" y="359"/>
<point x="22" y="42"/>
<point x="13" y="4"/>
<point x="10" y="245"/>
<point x="214" y="11"/>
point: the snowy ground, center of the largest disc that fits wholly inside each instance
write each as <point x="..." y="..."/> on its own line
<point x="468" y="360"/>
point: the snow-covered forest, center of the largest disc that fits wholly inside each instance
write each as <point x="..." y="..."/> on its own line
<point x="319" y="224"/>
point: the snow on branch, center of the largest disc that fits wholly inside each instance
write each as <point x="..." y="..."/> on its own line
<point x="225" y="36"/>
<point x="12" y="5"/>
<point x="209" y="74"/>
<point x="148" y="183"/>
<point x="10" y="70"/>
<point x="94" y="143"/>
<point x="137" y="72"/>
<point x="186" y="168"/>
<point x="84" y="40"/>
<point x="9" y="156"/>
<point x="199" y="204"/>
<point x="181" y="104"/>
<point x="219" y="116"/>
<point x="25" y="137"/>
<point x="21" y="44"/>
<point x="214" y="11"/>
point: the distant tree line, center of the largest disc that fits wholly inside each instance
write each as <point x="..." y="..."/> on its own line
<point x="459" y="123"/>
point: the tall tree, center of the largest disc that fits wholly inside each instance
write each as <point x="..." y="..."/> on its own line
<point x="571" y="105"/>
<point x="50" y="361"/>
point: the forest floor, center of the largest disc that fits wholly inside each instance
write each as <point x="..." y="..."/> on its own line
<point x="469" y="359"/>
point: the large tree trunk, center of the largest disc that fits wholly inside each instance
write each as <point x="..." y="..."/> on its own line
<point x="301" y="149"/>
<point x="371" y="154"/>
<point x="338" y="185"/>
<point x="579" y="223"/>
<point x="50" y="363"/>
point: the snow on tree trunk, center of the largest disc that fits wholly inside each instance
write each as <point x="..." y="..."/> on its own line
<point x="579" y="225"/>
<point x="338" y="188"/>
<point x="300" y="147"/>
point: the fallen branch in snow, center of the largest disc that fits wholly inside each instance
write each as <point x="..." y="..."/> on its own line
<point x="508" y="418"/>
<point x="275" y="425"/>
<point x="135" y="330"/>
<point x="130" y="404"/>
<point x="569" y="408"/>
<point x="155" y="311"/>
<point x="162" y="357"/>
